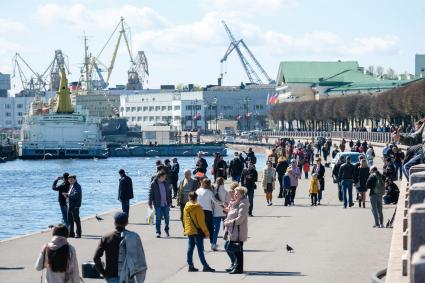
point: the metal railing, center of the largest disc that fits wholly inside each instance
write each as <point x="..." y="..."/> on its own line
<point x="369" y="136"/>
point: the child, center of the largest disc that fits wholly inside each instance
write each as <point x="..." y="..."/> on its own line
<point x="314" y="189"/>
<point x="306" y="168"/>
<point x="287" y="186"/>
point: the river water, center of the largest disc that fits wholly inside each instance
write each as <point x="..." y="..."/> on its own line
<point x="28" y="203"/>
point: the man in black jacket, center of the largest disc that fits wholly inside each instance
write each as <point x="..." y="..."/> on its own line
<point x="335" y="176"/>
<point x="319" y="169"/>
<point x="346" y="176"/>
<point x="248" y="179"/>
<point x="125" y="191"/>
<point x="74" y="198"/>
<point x="235" y="168"/>
<point x="201" y="164"/>
<point x="62" y="188"/>
<point x="175" y="169"/>
<point x="160" y="198"/>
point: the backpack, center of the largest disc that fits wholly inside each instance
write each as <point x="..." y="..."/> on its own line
<point x="379" y="186"/>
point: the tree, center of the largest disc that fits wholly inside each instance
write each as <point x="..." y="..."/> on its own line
<point x="371" y="70"/>
<point x="391" y="74"/>
<point x="379" y="71"/>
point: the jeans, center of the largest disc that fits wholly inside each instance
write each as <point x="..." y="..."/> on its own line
<point x="197" y="240"/>
<point x="292" y="195"/>
<point x="159" y="213"/>
<point x="417" y="159"/>
<point x="251" y="200"/>
<point x="231" y="255"/>
<point x="280" y="179"/>
<point x="236" y="178"/>
<point x="238" y="256"/>
<point x="376" y="204"/>
<point x="321" y="189"/>
<point x="138" y="278"/>
<point x="125" y="204"/>
<point x="209" y="223"/>
<point x="287" y="196"/>
<point x="347" y="188"/>
<point x="74" y="216"/>
<point x="217" y="223"/>
<point x="370" y="162"/>
<point x="174" y="182"/>
<point x="313" y="198"/>
<point x="398" y="170"/>
<point x="64" y="211"/>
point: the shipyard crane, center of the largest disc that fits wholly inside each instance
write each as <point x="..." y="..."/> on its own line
<point x="33" y="83"/>
<point x="139" y="70"/>
<point x="54" y="70"/>
<point x="250" y="72"/>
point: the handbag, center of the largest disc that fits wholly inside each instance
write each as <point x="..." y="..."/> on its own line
<point x="235" y="246"/>
<point x="88" y="270"/>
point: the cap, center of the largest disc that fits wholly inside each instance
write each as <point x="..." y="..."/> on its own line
<point x="121" y="218"/>
<point x="65" y="175"/>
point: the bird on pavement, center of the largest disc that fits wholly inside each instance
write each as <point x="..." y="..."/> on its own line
<point x="98" y="218"/>
<point x="289" y="249"/>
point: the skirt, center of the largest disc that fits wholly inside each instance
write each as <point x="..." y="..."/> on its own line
<point x="269" y="188"/>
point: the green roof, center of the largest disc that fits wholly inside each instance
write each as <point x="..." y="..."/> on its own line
<point x="354" y="76"/>
<point x="312" y="72"/>
<point x="377" y="85"/>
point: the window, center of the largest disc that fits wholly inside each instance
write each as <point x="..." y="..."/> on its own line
<point x="19" y="122"/>
<point x="133" y="109"/>
<point x="19" y="113"/>
<point x="157" y="108"/>
<point x="163" y="108"/>
<point x="127" y="109"/>
<point x="7" y="106"/>
<point x="151" y="108"/>
<point x="145" y="108"/>
<point x="177" y="118"/>
<point x="157" y="118"/>
<point x="139" y="109"/>
<point x="8" y="114"/>
<point x="151" y="118"/>
<point x="139" y="118"/>
<point x="145" y="118"/>
<point x="133" y="118"/>
<point x="8" y="122"/>
<point x="19" y="106"/>
<point x="177" y="107"/>
<point x="170" y="108"/>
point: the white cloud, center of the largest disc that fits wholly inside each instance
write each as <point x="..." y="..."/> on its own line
<point x="373" y="44"/>
<point x="250" y="6"/>
<point x="8" y="26"/>
<point x="81" y="17"/>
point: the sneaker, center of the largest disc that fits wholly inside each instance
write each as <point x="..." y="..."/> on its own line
<point x="235" y="271"/>
<point x="230" y="268"/>
<point x="77" y="237"/>
<point x="167" y="233"/>
<point x="158" y="235"/>
<point x="251" y="215"/>
<point x="271" y="203"/>
<point x="312" y="204"/>
<point x="192" y="269"/>
<point x="351" y="204"/>
<point x="381" y="226"/>
<point x="208" y="269"/>
<point x="318" y="203"/>
<point x="214" y="247"/>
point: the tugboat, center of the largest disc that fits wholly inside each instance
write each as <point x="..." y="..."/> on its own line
<point x="54" y="131"/>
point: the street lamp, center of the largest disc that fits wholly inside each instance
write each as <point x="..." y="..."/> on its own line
<point x="216" y="113"/>
<point x="247" y="100"/>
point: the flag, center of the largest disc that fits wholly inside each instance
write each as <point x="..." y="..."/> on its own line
<point x="197" y="116"/>
<point x="268" y="97"/>
<point x="248" y="114"/>
<point x="274" y="98"/>
<point x="238" y="117"/>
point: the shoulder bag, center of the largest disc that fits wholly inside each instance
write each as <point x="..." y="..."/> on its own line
<point x="198" y="230"/>
<point x="235" y="246"/>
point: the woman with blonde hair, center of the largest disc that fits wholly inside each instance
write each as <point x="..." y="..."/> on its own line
<point x="237" y="227"/>
<point x="222" y="199"/>
<point x="360" y="177"/>
<point x="268" y="182"/>
<point x="206" y="200"/>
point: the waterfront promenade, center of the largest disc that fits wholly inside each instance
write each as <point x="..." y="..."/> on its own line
<point x="331" y="244"/>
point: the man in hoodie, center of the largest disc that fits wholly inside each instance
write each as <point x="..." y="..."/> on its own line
<point x="196" y="230"/>
<point x="124" y="254"/>
<point x="62" y="188"/>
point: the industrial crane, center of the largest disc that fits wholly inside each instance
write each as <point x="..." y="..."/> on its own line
<point x="55" y="67"/>
<point x="138" y="71"/>
<point x="250" y="72"/>
<point x="35" y="82"/>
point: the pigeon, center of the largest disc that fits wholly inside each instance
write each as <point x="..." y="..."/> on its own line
<point x="289" y="249"/>
<point x="388" y="224"/>
<point x="51" y="226"/>
<point x="98" y="218"/>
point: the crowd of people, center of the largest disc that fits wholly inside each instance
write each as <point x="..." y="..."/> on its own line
<point x="209" y="205"/>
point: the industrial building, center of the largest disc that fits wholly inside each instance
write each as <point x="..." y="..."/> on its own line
<point x="419" y="65"/>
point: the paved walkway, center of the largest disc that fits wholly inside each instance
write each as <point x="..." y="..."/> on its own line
<point x="331" y="244"/>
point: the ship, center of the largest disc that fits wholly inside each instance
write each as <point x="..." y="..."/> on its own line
<point x="55" y="131"/>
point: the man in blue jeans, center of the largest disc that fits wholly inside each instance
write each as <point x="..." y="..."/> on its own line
<point x="160" y="198"/>
<point x="345" y="177"/>
<point x="62" y="188"/>
<point x="248" y="180"/>
<point x="125" y="191"/>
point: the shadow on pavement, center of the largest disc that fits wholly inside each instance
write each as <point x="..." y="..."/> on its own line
<point x="272" y="216"/>
<point x="273" y="273"/>
<point x="92" y="237"/>
<point x="11" y="268"/>
<point x="258" y="251"/>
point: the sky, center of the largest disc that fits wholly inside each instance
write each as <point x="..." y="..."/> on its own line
<point x="185" y="40"/>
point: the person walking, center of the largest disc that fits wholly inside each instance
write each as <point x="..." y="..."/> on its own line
<point x="62" y="188"/>
<point x="235" y="168"/>
<point x="201" y="164"/>
<point x="370" y="155"/>
<point x="175" y="169"/>
<point x="346" y="176"/>
<point x="221" y="168"/>
<point x="314" y="189"/>
<point x="375" y="184"/>
<point x="248" y="180"/>
<point x="195" y="230"/>
<point x="206" y="199"/>
<point x="124" y="254"/>
<point x="281" y="167"/>
<point x="268" y="182"/>
<point x="125" y="191"/>
<point x="319" y="169"/>
<point x="398" y="163"/>
<point x="229" y="207"/>
<point x="187" y="185"/>
<point x="59" y="258"/>
<point x="222" y="198"/>
<point x="237" y="227"/>
<point x="160" y="199"/>
<point x="335" y="175"/>
<point x="295" y="176"/>
<point x="287" y="186"/>
<point x="74" y="197"/>
<point x="360" y="178"/>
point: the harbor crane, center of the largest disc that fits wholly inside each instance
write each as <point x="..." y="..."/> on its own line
<point x="54" y="69"/>
<point x="32" y="83"/>
<point x="239" y="46"/>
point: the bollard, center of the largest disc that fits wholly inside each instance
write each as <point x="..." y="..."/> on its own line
<point x="416" y="228"/>
<point x="405" y="212"/>
<point x="416" y="194"/>
<point x="416" y="168"/>
<point x="417" y="177"/>
<point x="405" y="223"/>
<point x="405" y="239"/>
<point x="417" y="266"/>
<point x="404" y="261"/>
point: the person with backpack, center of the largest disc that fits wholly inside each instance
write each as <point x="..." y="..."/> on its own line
<point x="375" y="183"/>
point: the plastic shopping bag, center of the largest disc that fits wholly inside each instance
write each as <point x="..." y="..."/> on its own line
<point x="149" y="216"/>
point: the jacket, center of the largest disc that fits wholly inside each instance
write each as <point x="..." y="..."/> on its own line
<point x="362" y="174"/>
<point x="296" y="174"/>
<point x="206" y="199"/>
<point x="314" y="186"/>
<point x="287" y="181"/>
<point x="237" y="226"/>
<point x="110" y="245"/>
<point x="417" y="137"/>
<point x="155" y="194"/>
<point x="281" y="168"/>
<point x="264" y="181"/>
<point x="194" y="219"/>
<point x="75" y="195"/>
<point x="182" y="194"/>
<point x="371" y="182"/>
<point x="319" y="170"/>
<point x="249" y="178"/>
<point x="220" y="169"/>
<point x="72" y="274"/>
<point x="125" y="190"/>
<point x="131" y="258"/>
<point x="222" y="200"/>
<point x="62" y="188"/>
<point x="235" y="167"/>
<point x="175" y="169"/>
<point x="346" y="172"/>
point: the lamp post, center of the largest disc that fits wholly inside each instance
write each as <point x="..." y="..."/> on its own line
<point x="247" y="100"/>
<point x="216" y="113"/>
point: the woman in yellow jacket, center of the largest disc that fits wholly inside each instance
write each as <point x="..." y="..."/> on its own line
<point x="314" y="189"/>
<point x="195" y="230"/>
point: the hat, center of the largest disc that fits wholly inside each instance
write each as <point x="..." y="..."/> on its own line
<point x="121" y="218"/>
<point x="373" y="168"/>
<point x="65" y="176"/>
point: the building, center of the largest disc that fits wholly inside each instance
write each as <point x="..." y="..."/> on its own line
<point x="419" y="65"/>
<point x="4" y="84"/>
<point x="196" y="109"/>
<point x="102" y="104"/>
<point x="314" y="80"/>
<point x="12" y="110"/>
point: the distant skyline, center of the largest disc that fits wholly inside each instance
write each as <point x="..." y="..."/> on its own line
<point x="184" y="40"/>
